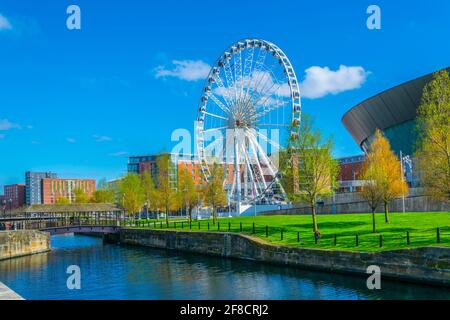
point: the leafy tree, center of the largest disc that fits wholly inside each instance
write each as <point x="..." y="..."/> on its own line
<point x="165" y="191"/>
<point x="187" y="192"/>
<point x="214" y="193"/>
<point x="102" y="184"/>
<point x="149" y="190"/>
<point x="382" y="175"/>
<point x="104" y="193"/>
<point x="81" y="196"/>
<point x="392" y="184"/>
<point x="104" y="196"/>
<point x="62" y="200"/>
<point x="371" y="191"/>
<point x="311" y="161"/>
<point x="132" y="193"/>
<point x="433" y="152"/>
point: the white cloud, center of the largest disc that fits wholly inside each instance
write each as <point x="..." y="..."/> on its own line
<point x="322" y="81"/>
<point x="101" y="138"/>
<point x="4" y="23"/>
<point x="118" y="154"/>
<point x="5" y="124"/>
<point x="189" y="70"/>
<point x="71" y="140"/>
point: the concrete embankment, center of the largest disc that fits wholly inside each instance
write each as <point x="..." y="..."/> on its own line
<point x="23" y="242"/>
<point x="7" y="294"/>
<point x="430" y="265"/>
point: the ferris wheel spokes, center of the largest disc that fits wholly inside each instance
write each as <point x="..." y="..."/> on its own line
<point x="251" y="86"/>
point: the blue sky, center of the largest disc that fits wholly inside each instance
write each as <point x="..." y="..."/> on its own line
<point x="79" y="102"/>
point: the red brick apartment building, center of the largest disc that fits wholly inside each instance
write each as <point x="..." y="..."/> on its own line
<point x="14" y="195"/>
<point x="53" y="189"/>
<point x="350" y="168"/>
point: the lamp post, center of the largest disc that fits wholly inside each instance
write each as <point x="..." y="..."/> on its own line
<point x="229" y="203"/>
<point x="123" y="205"/>
<point x="199" y="206"/>
<point x="186" y="202"/>
<point x="403" y="179"/>
<point x="146" y="210"/>
<point x="405" y="159"/>
<point x="253" y="193"/>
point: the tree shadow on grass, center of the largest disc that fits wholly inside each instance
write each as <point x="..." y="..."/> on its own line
<point x="326" y="225"/>
<point x="341" y="225"/>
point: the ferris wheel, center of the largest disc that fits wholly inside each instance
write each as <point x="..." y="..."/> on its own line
<point x="249" y="109"/>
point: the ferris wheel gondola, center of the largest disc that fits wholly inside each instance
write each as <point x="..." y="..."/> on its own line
<point x="249" y="109"/>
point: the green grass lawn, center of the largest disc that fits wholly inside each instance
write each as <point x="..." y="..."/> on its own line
<point x="420" y="225"/>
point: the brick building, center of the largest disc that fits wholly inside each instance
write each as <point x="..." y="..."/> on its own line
<point x="14" y="195"/>
<point x="350" y="168"/>
<point x="53" y="189"/>
<point x="33" y="186"/>
<point x="140" y="164"/>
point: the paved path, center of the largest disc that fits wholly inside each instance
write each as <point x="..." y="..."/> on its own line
<point x="7" y="294"/>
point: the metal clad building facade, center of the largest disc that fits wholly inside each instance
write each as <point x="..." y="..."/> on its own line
<point x="393" y="111"/>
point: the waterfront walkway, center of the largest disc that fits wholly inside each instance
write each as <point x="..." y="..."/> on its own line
<point x="7" y="294"/>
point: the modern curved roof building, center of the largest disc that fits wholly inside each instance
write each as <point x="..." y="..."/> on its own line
<point x="393" y="112"/>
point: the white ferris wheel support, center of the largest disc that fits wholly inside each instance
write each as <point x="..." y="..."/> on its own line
<point x="251" y="88"/>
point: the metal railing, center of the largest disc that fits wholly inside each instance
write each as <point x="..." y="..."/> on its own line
<point x="304" y="237"/>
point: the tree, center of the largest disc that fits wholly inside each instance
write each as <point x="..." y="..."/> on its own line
<point x="214" y="193"/>
<point x="187" y="192"/>
<point x="165" y="191"/>
<point x="149" y="190"/>
<point x="106" y="195"/>
<point x="132" y="193"/>
<point x="81" y="196"/>
<point x="310" y="159"/>
<point x="391" y="182"/>
<point x="371" y="190"/>
<point x="102" y="184"/>
<point x="62" y="200"/>
<point x="433" y="152"/>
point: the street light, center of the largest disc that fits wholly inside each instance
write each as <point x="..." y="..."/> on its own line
<point x="407" y="160"/>
<point x="146" y="209"/>
<point x="199" y="206"/>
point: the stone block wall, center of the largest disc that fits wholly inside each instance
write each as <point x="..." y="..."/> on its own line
<point x="424" y="265"/>
<point x="23" y="242"/>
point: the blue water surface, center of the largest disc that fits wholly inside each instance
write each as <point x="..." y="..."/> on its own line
<point x="110" y="271"/>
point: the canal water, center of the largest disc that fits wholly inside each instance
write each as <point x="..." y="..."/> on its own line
<point x="111" y="271"/>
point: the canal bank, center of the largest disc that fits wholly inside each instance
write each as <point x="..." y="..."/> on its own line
<point x="8" y="294"/>
<point x="19" y="243"/>
<point x="428" y="265"/>
<point x="111" y="271"/>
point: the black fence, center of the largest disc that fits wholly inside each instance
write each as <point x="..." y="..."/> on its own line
<point x="303" y="237"/>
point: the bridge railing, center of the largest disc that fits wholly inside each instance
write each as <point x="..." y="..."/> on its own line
<point x="38" y="223"/>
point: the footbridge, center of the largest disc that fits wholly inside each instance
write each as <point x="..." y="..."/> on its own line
<point x="71" y="218"/>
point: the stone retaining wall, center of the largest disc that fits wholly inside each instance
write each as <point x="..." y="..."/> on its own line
<point x="23" y="242"/>
<point x="424" y="265"/>
<point x="358" y="205"/>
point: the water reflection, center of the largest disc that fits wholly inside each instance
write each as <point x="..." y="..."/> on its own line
<point x="121" y="272"/>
